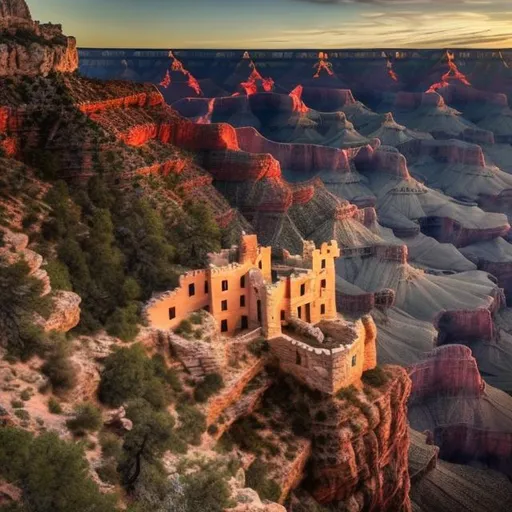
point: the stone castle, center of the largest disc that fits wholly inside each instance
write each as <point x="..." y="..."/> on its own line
<point x="292" y="300"/>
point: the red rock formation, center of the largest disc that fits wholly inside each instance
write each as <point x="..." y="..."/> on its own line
<point x="295" y="157"/>
<point x="462" y="95"/>
<point x="143" y="99"/>
<point x="360" y="449"/>
<point x="450" y="370"/>
<point x="465" y="326"/>
<point x="327" y="99"/>
<point x="384" y="159"/>
<point x="469" y="420"/>
<point x="192" y="136"/>
<point x="453" y="74"/>
<point x="298" y="104"/>
<point x="241" y="166"/>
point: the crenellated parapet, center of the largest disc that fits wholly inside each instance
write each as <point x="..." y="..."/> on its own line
<point x="347" y="351"/>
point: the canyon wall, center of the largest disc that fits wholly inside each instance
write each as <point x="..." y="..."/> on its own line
<point x="360" y="447"/>
<point x="468" y="419"/>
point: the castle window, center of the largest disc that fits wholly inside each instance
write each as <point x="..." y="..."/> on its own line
<point x="260" y="264"/>
<point x="242" y="282"/>
<point x="354" y="360"/>
<point x="191" y="290"/>
<point x="242" y="301"/>
<point x="172" y="313"/>
<point x="298" y="359"/>
<point x="206" y="289"/>
<point x="224" y="326"/>
<point x="322" y="309"/>
<point x="207" y="309"/>
<point x="323" y="283"/>
<point x="224" y="286"/>
<point x="323" y="263"/>
<point x="302" y="289"/>
<point x="224" y="305"/>
<point x="282" y="315"/>
<point x="299" y="312"/>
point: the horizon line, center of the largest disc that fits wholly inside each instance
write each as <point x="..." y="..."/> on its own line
<point x="318" y="48"/>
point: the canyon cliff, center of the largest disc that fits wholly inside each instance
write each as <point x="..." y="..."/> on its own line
<point x="29" y="48"/>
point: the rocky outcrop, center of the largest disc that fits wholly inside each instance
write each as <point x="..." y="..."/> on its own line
<point x="233" y="391"/>
<point x="29" y="48"/>
<point x="462" y="326"/>
<point x="65" y="313"/>
<point x="14" y="14"/>
<point x="241" y="166"/>
<point x="295" y="157"/>
<point x="15" y="249"/>
<point x="360" y="447"/>
<point x="117" y="420"/>
<point x="469" y="420"/>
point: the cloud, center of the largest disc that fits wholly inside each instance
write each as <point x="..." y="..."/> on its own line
<point x="398" y="28"/>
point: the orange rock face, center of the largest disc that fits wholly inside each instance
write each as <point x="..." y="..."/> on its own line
<point x="360" y="448"/>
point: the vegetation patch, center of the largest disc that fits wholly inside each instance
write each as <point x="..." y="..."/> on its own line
<point x="376" y="377"/>
<point x="256" y="477"/>
<point x="208" y="387"/>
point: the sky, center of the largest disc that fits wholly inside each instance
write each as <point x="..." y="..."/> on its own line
<point x="250" y="24"/>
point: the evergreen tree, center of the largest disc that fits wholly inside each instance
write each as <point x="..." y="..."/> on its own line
<point x="20" y="299"/>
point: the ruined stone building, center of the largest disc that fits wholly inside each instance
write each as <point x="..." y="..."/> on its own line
<point x="291" y="299"/>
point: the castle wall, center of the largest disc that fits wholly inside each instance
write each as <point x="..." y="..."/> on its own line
<point x="158" y="311"/>
<point x="327" y="370"/>
<point x="220" y="290"/>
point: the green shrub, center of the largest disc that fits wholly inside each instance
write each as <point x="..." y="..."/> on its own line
<point x="108" y="472"/>
<point x="196" y="318"/>
<point x="184" y="327"/>
<point x="20" y="296"/>
<point x="144" y="445"/>
<point x="17" y="404"/>
<point x="111" y="445"/>
<point x="213" y="429"/>
<point x="258" y="347"/>
<point x="125" y="376"/>
<point x="54" y="406"/>
<point x="256" y="478"/>
<point x="177" y="444"/>
<point x="53" y="474"/>
<point x="211" y="384"/>
<point x="376" y="377"/>
<point x="168" y="375"/>
<point x="26" y="395"/>
<point x="349" y="393"/>
<point x="123" y="323"/>
<point x="193" y="424"/>
<point x="87" y="419"/>
<point x="59" y="275"/>
<point x="22" y="414"/>
<point x="206" y="490"/>
<point x="59" y="369"/>
<point x="225" y="444"/>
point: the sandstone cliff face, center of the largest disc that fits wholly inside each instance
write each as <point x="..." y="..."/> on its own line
<point x="65" y="313"/>
<point x="360" y="445"/>
<point x="28" y="48"/>
<point x="468" y="419"/>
